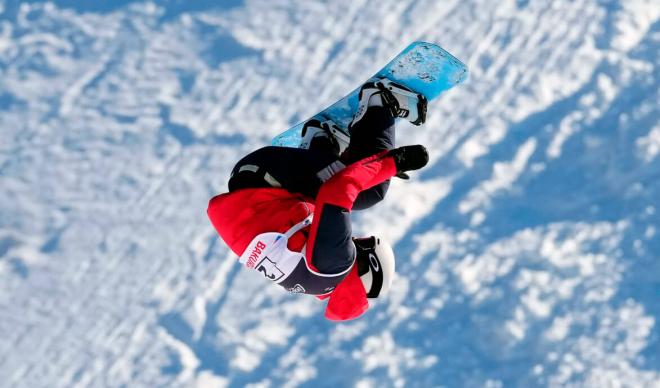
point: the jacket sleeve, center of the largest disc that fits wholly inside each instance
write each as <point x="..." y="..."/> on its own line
<point x="349" y="299"/>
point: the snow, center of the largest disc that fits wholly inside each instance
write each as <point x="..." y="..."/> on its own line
<point x="526" y="250"/>
<point x="649" y="145"/>
<point x="504" y="174"/>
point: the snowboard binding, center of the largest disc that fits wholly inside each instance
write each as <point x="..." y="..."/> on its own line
<point x="324" y="135"/>
<point x="399" y="100"/>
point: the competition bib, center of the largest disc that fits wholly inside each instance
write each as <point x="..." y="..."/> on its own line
<point x="269" y="255"/>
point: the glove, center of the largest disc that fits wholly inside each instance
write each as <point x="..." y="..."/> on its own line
<point x="409" y="158"/>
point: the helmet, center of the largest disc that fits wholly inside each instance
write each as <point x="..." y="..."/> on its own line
<point x="375" y="261"/>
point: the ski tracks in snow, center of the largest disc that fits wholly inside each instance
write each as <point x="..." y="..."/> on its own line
<point x="522" y="247"/>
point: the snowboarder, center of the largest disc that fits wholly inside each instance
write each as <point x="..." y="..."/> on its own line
<point x="287" y="212"/>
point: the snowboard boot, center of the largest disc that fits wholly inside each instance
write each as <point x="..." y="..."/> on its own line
<point x="398" y="99"/>
<point x="324" y="135"/>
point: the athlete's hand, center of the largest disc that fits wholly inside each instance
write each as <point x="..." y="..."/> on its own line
<point x="409" y="158"/>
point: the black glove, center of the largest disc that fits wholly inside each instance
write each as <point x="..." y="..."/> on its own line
<point x="409" y="158"/>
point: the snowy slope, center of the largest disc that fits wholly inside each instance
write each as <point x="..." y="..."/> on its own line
<point x="528" y="251"/>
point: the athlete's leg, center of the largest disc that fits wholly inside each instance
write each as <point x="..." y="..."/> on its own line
<point x="295" y="169"/>
<point x="304" y="170"/>
<point x="373" y="133"/>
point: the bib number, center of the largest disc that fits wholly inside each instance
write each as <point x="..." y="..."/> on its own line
<point x="269" y="269"/>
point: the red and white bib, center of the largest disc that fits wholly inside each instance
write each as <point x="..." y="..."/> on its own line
<point x="268" y="254"/>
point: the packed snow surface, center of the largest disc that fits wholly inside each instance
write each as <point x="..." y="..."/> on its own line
<point x="528" y="251"/>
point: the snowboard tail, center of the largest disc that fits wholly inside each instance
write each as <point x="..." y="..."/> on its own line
<point x="425" y="68"/>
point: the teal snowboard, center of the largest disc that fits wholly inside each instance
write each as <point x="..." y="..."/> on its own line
<point x="425" y="68"/>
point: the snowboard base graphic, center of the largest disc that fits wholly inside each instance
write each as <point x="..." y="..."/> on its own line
<point x="425" y="68"/>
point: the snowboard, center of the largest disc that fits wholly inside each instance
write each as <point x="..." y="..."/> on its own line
<point x="426" y="68"/>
